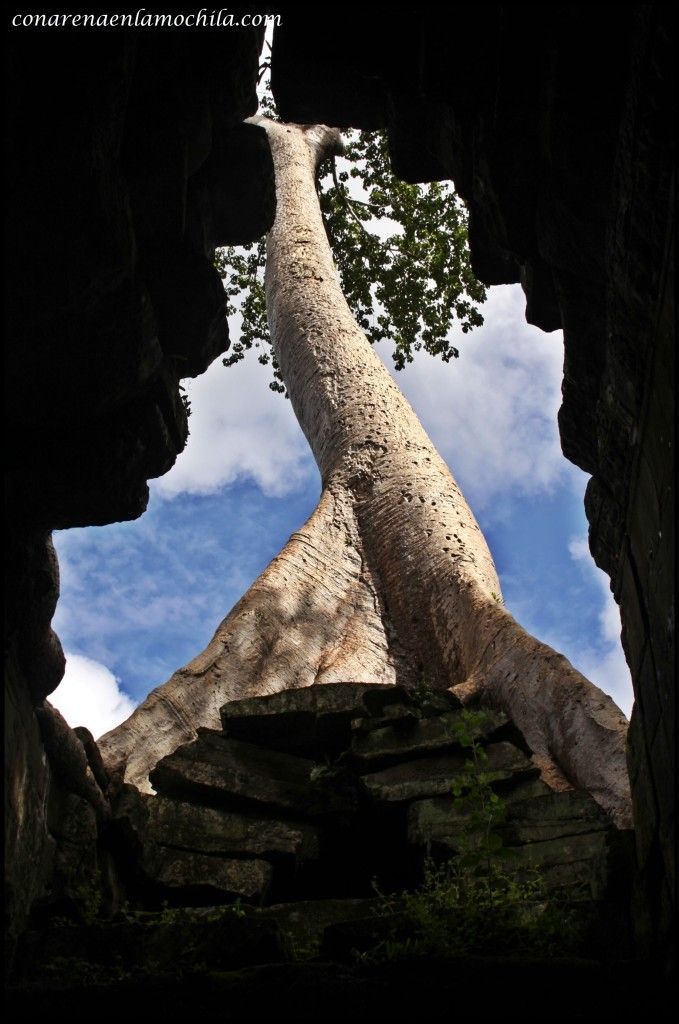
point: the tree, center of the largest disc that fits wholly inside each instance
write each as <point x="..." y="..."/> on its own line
<point x="390" y="579"/>
<point x="407" y="288"/>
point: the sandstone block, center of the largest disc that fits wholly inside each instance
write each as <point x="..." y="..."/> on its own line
<point x="435" y="776"/>
<point x="415" y="737"/>
<point x="309" y="721"/>
<point x="217" y="831"/>
<point x="216" y="769"/>
<point x="222" y="878"/>
<point x="534" y="815"/>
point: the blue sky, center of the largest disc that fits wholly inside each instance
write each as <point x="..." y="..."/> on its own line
<point x="141" y="599"/>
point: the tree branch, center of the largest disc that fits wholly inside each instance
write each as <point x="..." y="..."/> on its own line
<point x="349" y="207"/>
<point x="323" y="141"/>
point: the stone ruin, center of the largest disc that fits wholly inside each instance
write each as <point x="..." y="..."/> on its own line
<point x="265" y="844"/>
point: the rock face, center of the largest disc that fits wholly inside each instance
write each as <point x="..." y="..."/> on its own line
<point x="215" y="879"/>
<point x="58" y="813"/>
<point x="410" y="736"/>
<point x="555" y="128"/>
<point x="129" y="163"/>
<point x="143" y="139"/>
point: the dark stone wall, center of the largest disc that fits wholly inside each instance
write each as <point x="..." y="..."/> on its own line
<point x="115" y="145"/>
<point x="555" y="123"/>
<point x="127" y="163"/>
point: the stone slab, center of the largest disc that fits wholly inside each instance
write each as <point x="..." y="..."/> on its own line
<point x="434" y="776"/>
<point x="224" y="878"/>
<point x="215" y="830"/>
<point x="214" y="768"/>
<point x="308" y="721"/>
<point x="409" y="738"/>
<point x="534" y="813"/>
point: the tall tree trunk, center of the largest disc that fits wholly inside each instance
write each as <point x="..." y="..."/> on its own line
<point x="391" y="578"/>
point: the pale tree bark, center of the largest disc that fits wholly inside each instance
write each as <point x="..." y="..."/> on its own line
<point x="391" y="579"/>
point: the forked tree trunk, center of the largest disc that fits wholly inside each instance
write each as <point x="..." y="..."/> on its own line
<point x="391" y="579"/>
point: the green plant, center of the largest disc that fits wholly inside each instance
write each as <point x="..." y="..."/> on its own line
<point x="423" y="691"/>
<point x="87" y="902"/>
<point x="477" y="901"/>
<point x="325" y="772"/>
<point x="409" y="288"/>
<point x="185" y="400"/>
<point x="480" y="844"/>
<point x="301" y="949"/>
<point x="457" y="913"/>
<point x="73" y="971"/>
<point x="237" y="908"/>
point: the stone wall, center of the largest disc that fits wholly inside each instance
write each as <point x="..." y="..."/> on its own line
<point x="555" y="125"/>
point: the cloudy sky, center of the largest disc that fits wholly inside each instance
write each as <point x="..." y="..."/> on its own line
<point x="141" y="599"/>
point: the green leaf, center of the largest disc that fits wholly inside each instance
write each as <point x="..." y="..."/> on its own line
<point x="402" y="255"/>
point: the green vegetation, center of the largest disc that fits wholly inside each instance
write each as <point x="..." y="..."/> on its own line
<point x="168" y="915"/>
<point x="185" y="400"/>
<point x="480" y="846"/>
<point x="478" y="901"/>
<point x="401" y="253"/>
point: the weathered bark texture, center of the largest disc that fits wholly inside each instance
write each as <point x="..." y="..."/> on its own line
<point x="391" y="577"/>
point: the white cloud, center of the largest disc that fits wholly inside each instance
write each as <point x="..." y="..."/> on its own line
<point x="609" y="671"/>
<point x="492" y="412"/>
<point x="609" y="616"/>
<point x="239" y="429"/>
<point x="578" y="548"/>
<point x="90" y="695"/>
<point x="605" y="665"/>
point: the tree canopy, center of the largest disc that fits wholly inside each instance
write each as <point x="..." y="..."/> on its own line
<point x="400" y="250"/>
